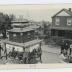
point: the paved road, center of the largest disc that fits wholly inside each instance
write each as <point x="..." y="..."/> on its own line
<point x="50" y="54"/>
<point x="50" y="58"/>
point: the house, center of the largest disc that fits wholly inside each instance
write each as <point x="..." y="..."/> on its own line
<point x="62" y="24"/>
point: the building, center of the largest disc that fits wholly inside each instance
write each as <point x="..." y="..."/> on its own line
<point x="62" y="24"/>
<point x="21" y="33"/>
<point x="22" y="37"/>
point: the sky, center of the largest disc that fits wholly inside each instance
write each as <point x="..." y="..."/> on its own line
<point x="34" y="12"/>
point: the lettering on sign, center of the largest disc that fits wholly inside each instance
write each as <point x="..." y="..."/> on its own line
<point x="10" y="47"/>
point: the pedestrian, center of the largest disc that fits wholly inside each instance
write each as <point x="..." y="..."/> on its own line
<point x="65" y="52"/>
<point x="40" y="53"/>
<point x="13" y="49"/>
<point x="62" y="58"/>
<point x="25" y="57"/>
<point x="62" y="46"/>
<point x="13" y="53"/>
<point x="67" y="46"/>
<point x="0" y="51"/>
<point x="70" y="49"/>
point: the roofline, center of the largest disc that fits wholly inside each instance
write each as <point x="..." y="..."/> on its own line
<point x="61" y="28"/>
<point x="59" y="12"/>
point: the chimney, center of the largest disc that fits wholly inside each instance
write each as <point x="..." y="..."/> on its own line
<point x="70" y="9"/>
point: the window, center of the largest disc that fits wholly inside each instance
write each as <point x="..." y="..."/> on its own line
<point x="69" y="20"/>
<point x="57" y="21"/>
<point x="14" y="35"/>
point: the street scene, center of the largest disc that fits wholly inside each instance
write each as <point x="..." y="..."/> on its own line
<point x="35" y="35"/>
<point x="50" y="54"/>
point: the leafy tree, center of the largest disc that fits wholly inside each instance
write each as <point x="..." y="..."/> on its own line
<point x="5" y="23"/>
<point x="45" y="27"/>
<point x="12" y="17"/>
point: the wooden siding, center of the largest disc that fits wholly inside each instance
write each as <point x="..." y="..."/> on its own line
<point x="63" y="21"/>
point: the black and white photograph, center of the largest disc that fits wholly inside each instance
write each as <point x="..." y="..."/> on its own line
<point x="36" y="34"/>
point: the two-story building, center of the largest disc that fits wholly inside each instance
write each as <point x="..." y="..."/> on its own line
<point x="62" y="24"/>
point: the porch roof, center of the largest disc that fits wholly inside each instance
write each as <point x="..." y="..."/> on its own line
<point x="61" y="28"/>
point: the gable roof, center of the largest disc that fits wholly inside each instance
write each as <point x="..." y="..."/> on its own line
<point x="67" y="11"/>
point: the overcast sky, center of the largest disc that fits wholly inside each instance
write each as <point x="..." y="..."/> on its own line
<point x="34" y="12"/>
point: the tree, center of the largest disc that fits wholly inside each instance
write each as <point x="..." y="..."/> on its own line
<point x="12" y="17"/>
<point x="45" y="27"/>
<point x="46" y="31"/>
<point x="5" y="23"/>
